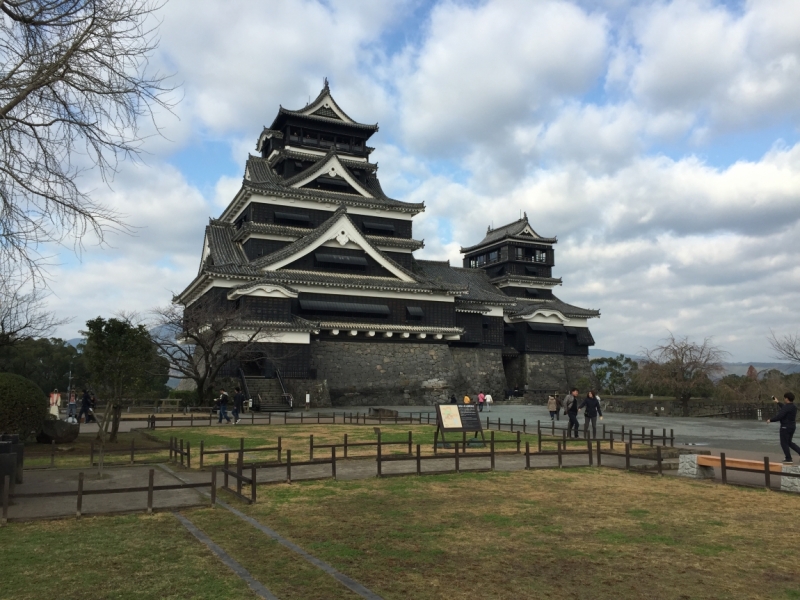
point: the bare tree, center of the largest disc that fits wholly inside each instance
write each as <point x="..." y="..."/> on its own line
<point x="23" y="312"/>
<point x="199" y="341"/>
<point x="786" y="347"/>
<point x="74" y="84"/>
<point x="682" y="368"/>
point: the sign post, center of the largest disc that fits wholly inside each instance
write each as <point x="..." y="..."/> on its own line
<point x="457" y="418"/>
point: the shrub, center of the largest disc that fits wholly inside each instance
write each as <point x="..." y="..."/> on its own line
<point x="23" y="405"/>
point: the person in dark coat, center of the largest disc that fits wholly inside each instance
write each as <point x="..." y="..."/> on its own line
<point x="571" y="410"/>
<point x="86" y="404"/>
<point x="787" y="417"/>
<point x="591" y="406"/>
<point x="223" y="406"/>
<point x="238" y="405"/>
<point x="453" y="399"/>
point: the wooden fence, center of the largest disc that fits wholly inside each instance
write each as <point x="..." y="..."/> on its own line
<point x="94" y="452"/>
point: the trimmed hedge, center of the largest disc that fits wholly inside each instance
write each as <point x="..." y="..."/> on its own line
<point x="23" y="405"/>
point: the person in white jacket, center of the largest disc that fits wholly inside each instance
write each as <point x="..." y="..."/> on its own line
<point x="489" y="401"/>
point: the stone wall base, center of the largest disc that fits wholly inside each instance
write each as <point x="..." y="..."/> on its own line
<point x="790" y="484"/>
<point x="688" y="467"/>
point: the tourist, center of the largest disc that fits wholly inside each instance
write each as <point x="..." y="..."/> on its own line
<point x="86" y="404"/>
<point x="552" y="406"/>
<point x="481" y="400"/>
<point x="223" y="406"/>
<point x="238" y="404"/>
<point x="55" y="403"/>
<point x="92" y="406"/>
<point x="467" y="399"/>
<point x="489" y="402"/>
<point x="72" y="407"/>
<point x="787" y="416"/>
<point x="571" y="410"/>
<point x="453" y="399"/>
<point x="591" y="406"/>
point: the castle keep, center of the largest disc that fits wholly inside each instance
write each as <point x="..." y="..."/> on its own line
<point x="312" y="251"/>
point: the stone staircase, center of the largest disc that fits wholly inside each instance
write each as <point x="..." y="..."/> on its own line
<point x="270" y="393"/>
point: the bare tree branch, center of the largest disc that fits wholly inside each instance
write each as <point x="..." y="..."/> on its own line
<point x="75" y="83"/>
<point x="22" y="309"/>
<point x="786" y="347"/>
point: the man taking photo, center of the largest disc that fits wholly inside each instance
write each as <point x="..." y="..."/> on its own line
<point x="787" y="417"/>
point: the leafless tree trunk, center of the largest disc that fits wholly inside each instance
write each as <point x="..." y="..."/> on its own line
<point x="786" y="347"/>
<point x="682" y="367"/>
<point x="199" y="342"/>
<point x="74" y="84"/>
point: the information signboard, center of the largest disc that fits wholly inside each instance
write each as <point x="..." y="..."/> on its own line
<point x="458" y="417"/>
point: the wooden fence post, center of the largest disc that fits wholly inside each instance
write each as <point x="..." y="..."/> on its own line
<point x="150" y="477"/>
<point x="671" y="438"/>
<point x="280" y="453"/>
<point x="527" y="455"/>
<point x="202" y="444"/>
<point x="379" y="456"/>
<point x="181" y="451"/>
<point x="214" y="485"/>
<point x="419" y="462"/>
<point x="171" y="420"/>
<point x="191" y="419"/>
<point x="345" y="445"/>
<point x="457" y="465"/>
<point x="225" y="467"/>
<point x="333" y="462"/>
<point x="539" y="435"/>
<point x="80" y="496"/>
<point x="723" y="468"/>
<point x="524" y="426"/>
<point x="132" y="451"/>
<point x="589" y="451"/>
<point x="599" y="460"/>
<point x="410" y="450"/>
<point x="6" y="486"/>
<point x="552" y="427"/>
<point x="253" y="484"/>
<point x="310" y="446"/>
<point x="651" y="438"/>
<point x="492" y="449"/>
<point x="289" y="465"/>
<point x="664" y="437"/>
<point x="239" y="468"/>
<point x="559" y="455"/>
<point x="52" y="453"/>
<point x="519" y="441"/>
<point x="658" y="458"/>
<point x="188" y="455"/>
<point x="766" y="472"/>
<point x="627" y="456"/>
<point x="611" y="439"/>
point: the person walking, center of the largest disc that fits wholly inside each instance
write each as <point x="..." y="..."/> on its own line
<point x="223" y="406"/>
<point x="72" y="407"/>
<point x="55" y="403"/>
<point x="481" y="400"/>
<point x="571" y="410"/>
<point x="552" y="406"/>
<point x="86" y="404"/>
<point x="591" y="406"/>
<point x="453" y="399"/>
<point x="489" y="402"/>
<point x="787" y="417"/>
<point x="467" y="399"/>
<point x="238" y="405"/>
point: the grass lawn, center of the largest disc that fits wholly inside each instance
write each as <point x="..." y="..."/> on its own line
<point x="296" y="438"/>
<point x="576" y="533"/>
<point x="132" y="557"/>
<point x="76" y="454"/>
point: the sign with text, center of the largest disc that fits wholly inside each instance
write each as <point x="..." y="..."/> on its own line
<point x="458" y="417"/>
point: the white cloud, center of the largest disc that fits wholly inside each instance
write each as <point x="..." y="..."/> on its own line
<point x="482" y="69"/>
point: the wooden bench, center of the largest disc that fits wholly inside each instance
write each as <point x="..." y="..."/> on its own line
<point x="738" y="463"/>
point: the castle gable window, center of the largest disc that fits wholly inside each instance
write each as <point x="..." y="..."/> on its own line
<point x="415" y="313"/>
<point x="354" y="262"/>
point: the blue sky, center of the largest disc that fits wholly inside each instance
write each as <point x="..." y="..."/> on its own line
<point x="660" y="141"/>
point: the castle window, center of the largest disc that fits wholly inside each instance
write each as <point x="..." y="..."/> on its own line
<point x="326" y="140"/>
<point x="494" y="256"/>
<point x="294" y="134"/>
<point x="294" y="219"/>
<point x="378" y="228"/>
<point x="519" y="253"/>
<point x="415" y="313"/>
<point x="540" y="256"/>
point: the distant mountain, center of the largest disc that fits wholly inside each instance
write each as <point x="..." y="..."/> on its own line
<point x="75" y="341"/>
<point x="738" y="368"/>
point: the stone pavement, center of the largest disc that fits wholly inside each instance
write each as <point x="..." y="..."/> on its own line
<point x="57" y="480"/>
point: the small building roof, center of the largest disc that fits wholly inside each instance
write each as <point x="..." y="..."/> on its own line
<point x="519" y="230"/>
<point x="528" y="307"/>
<point x="323" y="109"/>
<point x="476" y="282"/>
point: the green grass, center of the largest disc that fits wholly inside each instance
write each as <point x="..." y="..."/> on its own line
<point x="130" y="557"/>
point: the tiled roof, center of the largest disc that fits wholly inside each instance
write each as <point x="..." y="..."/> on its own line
<point x="296" y="324"/>
<point x="525" y="280"/>
<point x="509" y="231"/>
<point x="528" y="307"/>
<point x="347" y="162"/>
<point x="298" y="232"/>
<point x="345" y="326"/>
<point x="260" y="177"/>
<point x="222" y="249"/>
<point x="476" y="281"/>
<point x="321" y="113"/>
